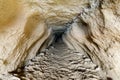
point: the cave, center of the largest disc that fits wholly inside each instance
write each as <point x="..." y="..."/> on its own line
<point x="58" y="34"/>
<point x="59" y="40"/>
<point x="59" y="61"/>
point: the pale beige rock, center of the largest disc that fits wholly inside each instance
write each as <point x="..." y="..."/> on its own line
<point x="22" y="32"/>
<point x="26" y="24"/>
<point x="97" y="34"/>
<point x="8" y="77"/>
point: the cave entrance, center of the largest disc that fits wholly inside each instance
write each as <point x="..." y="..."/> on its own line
<point x="58" y="33"/>
<point x="58" y="55"/>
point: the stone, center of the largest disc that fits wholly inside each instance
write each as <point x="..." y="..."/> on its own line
<point x="8" y="77"/>
<point x="26" y="24"/>
<point x="93" y="28"/>
<point x="96" y="33"/>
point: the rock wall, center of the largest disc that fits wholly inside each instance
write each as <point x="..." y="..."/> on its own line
<point x="96" y="32"/>
<point x="26" y="24"/>
<point x="22" y="32"/>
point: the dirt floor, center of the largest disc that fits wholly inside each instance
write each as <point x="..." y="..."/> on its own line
<point x="58" y="62"/>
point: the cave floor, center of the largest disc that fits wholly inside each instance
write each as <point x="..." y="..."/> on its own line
<point x="58" y="62"/>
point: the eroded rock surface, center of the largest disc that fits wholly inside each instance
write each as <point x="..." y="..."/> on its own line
<point x="96" y="32"/>
<point x="61" y="63"/>
<point x="26" y="24"/>
<point x="26" y="27"/>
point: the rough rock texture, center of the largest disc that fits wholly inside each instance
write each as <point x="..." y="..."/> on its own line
<point x="60" y="63"/>
<point x="96" y="32"/>
<point x="8" y="77"/>
<point x="25" y="26"/>
<point x="22" y="31"/>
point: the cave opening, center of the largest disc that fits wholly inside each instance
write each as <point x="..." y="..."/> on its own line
<point x="58" y="33"/>
<point x="58" y="55"/>
<point x="58" y="36"/>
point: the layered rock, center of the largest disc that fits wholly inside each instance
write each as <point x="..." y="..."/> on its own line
<point x="25" y="26"/>
<point x="58" y="62"/>
<point x="22" y="32"/>
<point x="96" y="32"/>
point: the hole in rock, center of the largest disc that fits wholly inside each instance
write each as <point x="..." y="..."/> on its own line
<point x="58" y="34"/>
<point x="58" y="62"/>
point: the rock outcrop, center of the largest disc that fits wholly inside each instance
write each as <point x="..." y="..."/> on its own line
<point x="58" y="62"/>
<point x="96" y="32"/>
<point x="92" y="28"/>
<point x="25" y="25"/>
<point x="22" y="32"/>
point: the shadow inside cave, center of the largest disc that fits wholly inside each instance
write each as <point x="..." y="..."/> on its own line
<point x="59" y="62"/>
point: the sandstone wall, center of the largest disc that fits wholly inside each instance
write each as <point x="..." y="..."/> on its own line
<point x="22" y="31"/>
<point x="26" y="24"/>
<point x="96" y="32"/>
